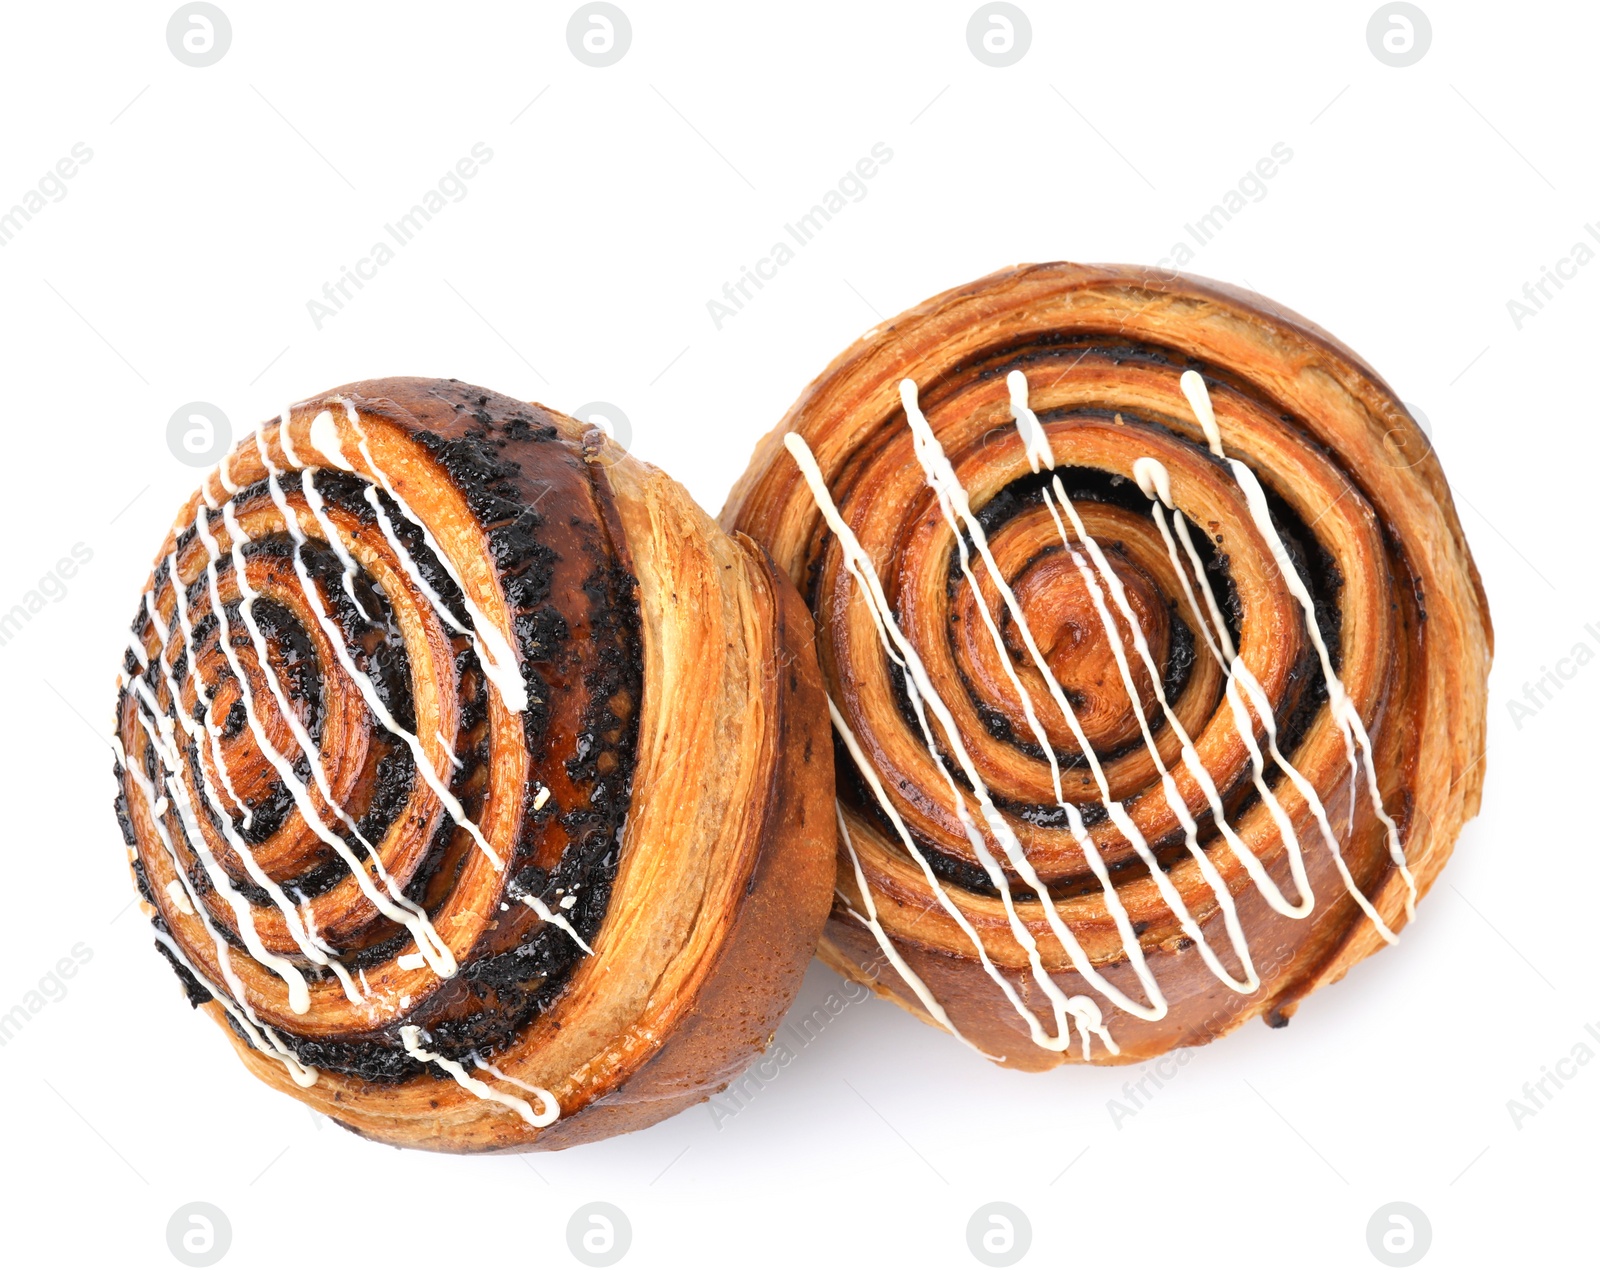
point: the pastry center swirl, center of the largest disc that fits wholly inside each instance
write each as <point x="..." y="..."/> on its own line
<point x="1060" y="610"/>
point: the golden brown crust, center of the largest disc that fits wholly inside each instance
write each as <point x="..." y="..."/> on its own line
<point x="652" y="647"/>
<point x="1359" y="492"/>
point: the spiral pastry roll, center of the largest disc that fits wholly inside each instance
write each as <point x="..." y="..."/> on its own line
<point x="474" y="781"/>
<point x="1154" y="650"/>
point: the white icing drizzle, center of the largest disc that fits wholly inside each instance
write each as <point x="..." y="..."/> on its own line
<point x="1099" y="578"/>
<point x="869" y="919"/>
<point x="1153" y="479"/>
<point x="325" y="437"/>
<point x="224" y="478"/>
<point x="411" y="1037"/>
<point x="551" y="1108"/>
<point x="941" y="894"/>
<point x="285" y="439"/>
<point x="494" y="651"/>
<point x="1194" y="391"/>
<point x="328" y="444"/>
<point x="300" y="930"/>
<point x="953" y="499"/>
<point x="213" y="733"/>
<point x="1191" y="758"/>
<point x="554" y="918"/>
<point x="330" y="535"/>
<point x="363" y="682"/>
<point x="260" y="1035"/>
<point x="922" y="693"/>
<point x="159" y="728"/>
<point x="1340" y="705"/>
<point x="389" y="901"/>
<point x="303" y="907"/>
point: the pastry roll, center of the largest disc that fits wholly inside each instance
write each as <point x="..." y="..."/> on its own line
<point x="1154" y="651"/>
<point x="474" y="781"/>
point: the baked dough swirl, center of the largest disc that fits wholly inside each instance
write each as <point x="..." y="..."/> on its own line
<point x="1155" y="653"/>
<point x="473" y="780"/>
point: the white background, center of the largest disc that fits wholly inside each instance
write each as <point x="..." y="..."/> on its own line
<point x="178" y="267"/>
